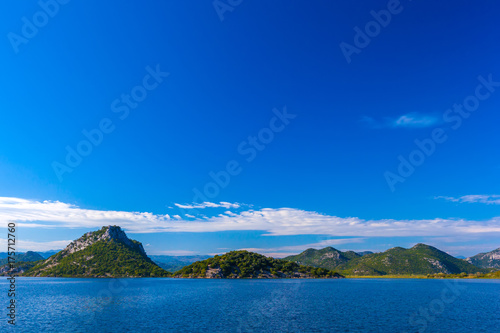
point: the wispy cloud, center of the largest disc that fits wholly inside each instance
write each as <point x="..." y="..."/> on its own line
<point x="415" y="119"/>
<point x="28" y="245"/>
<point x="409" y="120"/>
<point x="207" y="204"/>
<point x="273" y="221"/>
<point x="492" y="199"/>
<point x="52" y="214"/>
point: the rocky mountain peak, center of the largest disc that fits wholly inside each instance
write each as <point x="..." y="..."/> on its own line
<point x="114" y="233"/>
<point x="486" y="260"/>
<point x="107" y="252"/>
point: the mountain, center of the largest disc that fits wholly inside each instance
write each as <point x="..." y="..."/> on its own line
<point x="363" y="253"/>
<point x="28" y="256"/>
<point x="104" y="253"/>
<point x="174" y="263"/>
<point x="244" y="264"/>
<point x="17" y="269"/>
<point x="328" y="257"/>
<point x="419" y="260"/>
<point x="486" y="260"/>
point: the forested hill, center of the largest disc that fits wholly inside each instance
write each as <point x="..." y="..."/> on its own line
<point x="486" y="260"/>
<point x="104" y="253"/>
<point x="23" y="257"/>
<point x="419" y="260"/>
<point x="244" y="264"/>
<point x="328" y="257"/>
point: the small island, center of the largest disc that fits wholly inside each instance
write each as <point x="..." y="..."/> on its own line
<point x="244" y="264"/>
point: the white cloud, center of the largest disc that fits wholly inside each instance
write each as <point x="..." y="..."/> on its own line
<point x="52" y="214"/>
<point x="415" y="119"/>
<point x="278" y="222"/>
<point x="207" y="204"/>
<point x="409" y="120"/>
<point x="28" y="245"/>
<point x="493" y="199"/>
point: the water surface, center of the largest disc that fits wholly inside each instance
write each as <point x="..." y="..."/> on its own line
<point x="184" y="305"/>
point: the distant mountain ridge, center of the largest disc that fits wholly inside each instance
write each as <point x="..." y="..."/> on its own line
<point x="419" y="260"/>
<point x="104" y="253"/>
<point x="486" y="260"/>
<point x="328" y="257"/>
<point x="44" y="254"/>
<point x="175" y="263"/>
<point x="25" y="257"/>
<point x="48" y="254"/>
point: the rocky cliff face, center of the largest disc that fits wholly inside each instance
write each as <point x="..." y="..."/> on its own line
<point x="106" y="233"/>
<point x="328" y="257"/>
<point x="107" y="252"/>
<point x="18" y="269"/>
<point x="486" y="260"/>
<point x="419" y="260"/>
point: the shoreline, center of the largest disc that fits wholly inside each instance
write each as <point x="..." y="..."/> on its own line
<point x="352" y="277"/>
<point x="422" y="277"/>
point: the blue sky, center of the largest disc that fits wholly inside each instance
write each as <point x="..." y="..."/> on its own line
<point x="312" y="145"/>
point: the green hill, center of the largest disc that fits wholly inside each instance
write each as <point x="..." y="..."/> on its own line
<point x="419" y="260"/>
<point x="104" y="253"/>
<point x="27" y="257"/>
<point x="17" y="269"/>
<point x="328" y="257"/>
<point x="493" y="275"/>
<point x="486" y="260"/>
<point x="244" y="264"/>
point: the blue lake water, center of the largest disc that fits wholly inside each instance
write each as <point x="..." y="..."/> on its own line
<point x="184" y="305"/>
